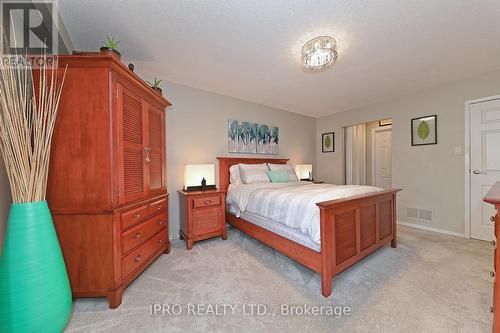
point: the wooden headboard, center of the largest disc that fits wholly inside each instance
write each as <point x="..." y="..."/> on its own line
<point x="226" y="162"/>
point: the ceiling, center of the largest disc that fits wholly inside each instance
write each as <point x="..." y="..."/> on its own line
<point x="251" y="49"/>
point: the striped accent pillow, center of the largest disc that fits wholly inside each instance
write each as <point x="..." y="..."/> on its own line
<point x="292" y="176"/>
<point x="254" y="173"/>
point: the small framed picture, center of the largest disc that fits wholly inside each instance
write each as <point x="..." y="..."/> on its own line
<point x="328" y="142"/>
<point x="385" y="122"/>
<point x="424" y="131"/>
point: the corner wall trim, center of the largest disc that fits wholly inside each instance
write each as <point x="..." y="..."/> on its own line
<point x="426" y="228"/>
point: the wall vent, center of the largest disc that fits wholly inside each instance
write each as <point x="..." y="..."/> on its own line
<point x="420" y="215"/>
<point x="412" y="213"/>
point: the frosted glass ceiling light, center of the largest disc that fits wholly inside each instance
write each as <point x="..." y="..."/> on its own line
<point x="319" y="53"/>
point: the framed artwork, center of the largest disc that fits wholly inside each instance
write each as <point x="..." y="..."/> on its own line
<point x="268" y="140"/>
<point x="424" y="131"/>
<point x="328" y="142"/>
<point x="242" y="137"/>
<point x="385" y="122"/>
<point x="251" y="138"/>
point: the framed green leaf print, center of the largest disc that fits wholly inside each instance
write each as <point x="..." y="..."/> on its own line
<point x="424" y="131"/>
<point x="328" y="142"/>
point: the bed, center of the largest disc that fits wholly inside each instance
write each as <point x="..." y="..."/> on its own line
<point x="349" y="228"/>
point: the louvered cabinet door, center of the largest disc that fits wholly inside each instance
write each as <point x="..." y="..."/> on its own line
<point x="132" y="129"/>
<point x="156" y="150"/>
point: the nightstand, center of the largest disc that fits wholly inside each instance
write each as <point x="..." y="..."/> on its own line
<point x="202" y="215"/>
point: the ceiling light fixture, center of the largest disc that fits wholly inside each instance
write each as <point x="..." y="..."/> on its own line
<point x="319" y="53"/>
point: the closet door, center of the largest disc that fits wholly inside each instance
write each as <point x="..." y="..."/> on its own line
<point x="156" y="150"/>
<point x="132" y="148"/>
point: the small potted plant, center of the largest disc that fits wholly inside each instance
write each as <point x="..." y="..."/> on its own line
<point x="110" y="46"/>
<point x="155" y="85"/>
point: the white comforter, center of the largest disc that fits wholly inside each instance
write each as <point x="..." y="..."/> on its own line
<point x="292" y="204"/>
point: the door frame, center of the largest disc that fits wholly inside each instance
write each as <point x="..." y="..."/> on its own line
<point x="374" y="131"/>
<point x="467" y="149"/>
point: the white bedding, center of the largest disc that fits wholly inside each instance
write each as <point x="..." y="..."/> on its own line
<point x="292" y="204"/>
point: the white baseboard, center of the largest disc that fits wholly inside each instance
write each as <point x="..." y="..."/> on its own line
<point x="424" y="227"/>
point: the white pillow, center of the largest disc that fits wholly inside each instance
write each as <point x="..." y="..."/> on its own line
<point x="254" y="173"/>
<point x="234" y="175"/>
<point x="292" y="176"/>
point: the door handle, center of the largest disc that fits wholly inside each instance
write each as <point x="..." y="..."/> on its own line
<point x="147" y="150"/>
<point x="476" y="172"/>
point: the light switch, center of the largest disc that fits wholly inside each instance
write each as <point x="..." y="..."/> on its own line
<point x="458" y="151"/>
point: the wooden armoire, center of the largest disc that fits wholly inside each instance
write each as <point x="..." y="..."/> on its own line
<point x="107" y="179"/>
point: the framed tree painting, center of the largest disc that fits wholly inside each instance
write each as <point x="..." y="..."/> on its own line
<point x="328" y="142"/>
<point x="242" y="137"/>
<point x="424" y="131"/>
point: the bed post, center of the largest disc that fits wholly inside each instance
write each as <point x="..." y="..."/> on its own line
<point x="327" y="251"/>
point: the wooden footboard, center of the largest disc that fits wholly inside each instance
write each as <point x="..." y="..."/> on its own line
<point x="352" y="228"/>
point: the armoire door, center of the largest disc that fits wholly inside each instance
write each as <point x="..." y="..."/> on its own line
<point x="156" y="150"/>
<point x="132" y="148"/>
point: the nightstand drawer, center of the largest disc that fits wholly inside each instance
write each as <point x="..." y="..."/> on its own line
<point x="206" y="201"/>
<point x="134" y="216"/>
<point x="142" y="232"/>
<point x="139" y="256"/>
<point x="158" y="206"/>
<point x="206" y="220"/>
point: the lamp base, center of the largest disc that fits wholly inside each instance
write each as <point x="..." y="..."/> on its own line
<point x="200" y="188"/>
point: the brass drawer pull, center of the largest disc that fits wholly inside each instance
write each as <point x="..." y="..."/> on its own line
<point x="137" y="235"/>
<point x="160" y="241"/>
<point x="159" y="207"/>
<point x="138" y="258"/>
<point x="137" y="216"/>
<point x="492" y="219"/>
<point x="159" y="222"/>
<point x="493" y="243"/>
<point x="492" y="274"/>
<point x="208" y="202"/>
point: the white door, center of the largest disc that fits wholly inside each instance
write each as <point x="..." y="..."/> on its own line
<point x="381" y="161"/>
<point x="484" y="164"/>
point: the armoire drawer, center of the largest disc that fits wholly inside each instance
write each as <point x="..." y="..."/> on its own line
<point x="138" y="257"/>
<point x="139" y="234"/>
<point x="158" y="207"/>
<point x="134" y="216"/>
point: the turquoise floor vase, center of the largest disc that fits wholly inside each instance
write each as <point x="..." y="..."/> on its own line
<point x="35" y="294"/>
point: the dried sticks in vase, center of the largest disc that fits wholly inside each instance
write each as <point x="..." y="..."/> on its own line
<point x="27" y="118"/>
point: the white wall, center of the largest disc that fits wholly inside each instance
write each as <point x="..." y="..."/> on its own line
<point x="197" y="133"/>
<point x="431" y="177"/>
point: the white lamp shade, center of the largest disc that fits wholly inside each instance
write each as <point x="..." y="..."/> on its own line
<point x="194" y="173"/>
<point x="304" y="171"/>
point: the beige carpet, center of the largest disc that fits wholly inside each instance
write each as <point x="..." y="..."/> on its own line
<point x="430" y="283"/>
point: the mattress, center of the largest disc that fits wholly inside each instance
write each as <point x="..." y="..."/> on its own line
<point x="291" y="204"/>
<point x="278" y="228"/>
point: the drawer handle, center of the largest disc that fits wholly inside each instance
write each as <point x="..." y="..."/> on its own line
<point x="137" y="235"/>
<point x="491" y="309"/>
<point x="159" y="222"/>
<point x="492" y="219"/>
<point x="160" y="241"/>
<point x="493" y="243"/>
<point x="137" y="216"/>
<point x="159" y="207"/>
<point x="492" y="274"/>
<point x="138" y="258"/>
<point x="208" y="202"/>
